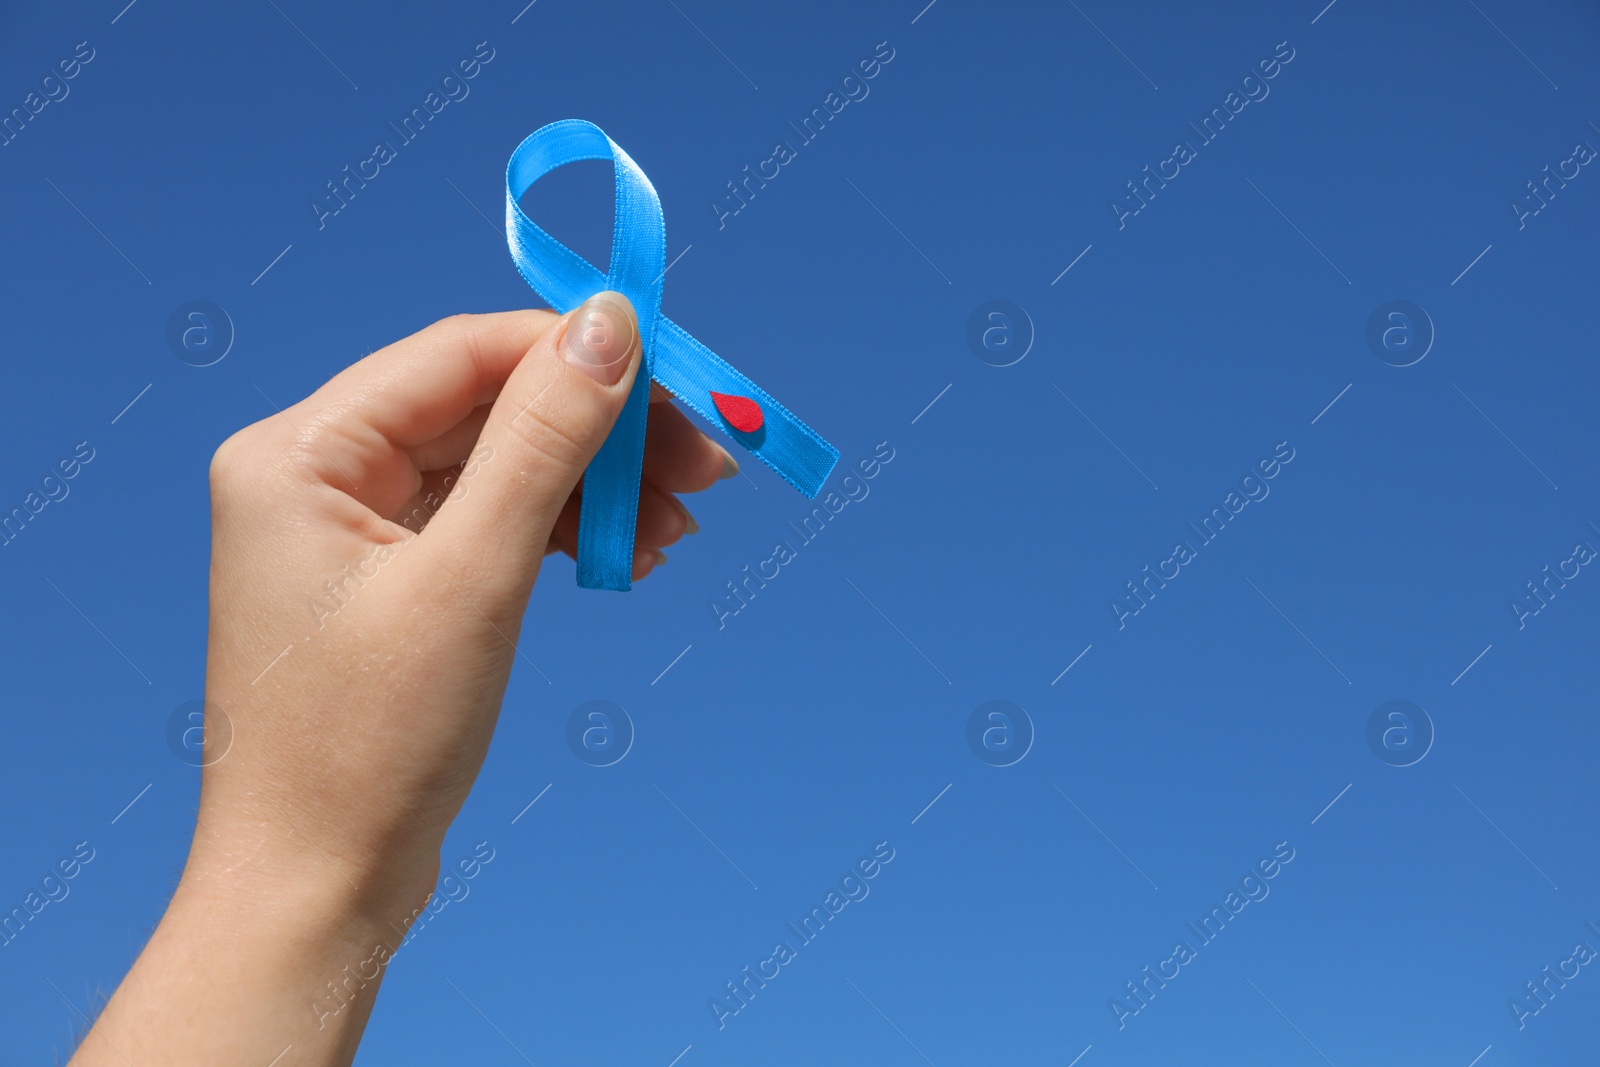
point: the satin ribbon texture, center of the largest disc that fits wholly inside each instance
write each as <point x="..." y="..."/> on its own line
<point x="691" y="371"/>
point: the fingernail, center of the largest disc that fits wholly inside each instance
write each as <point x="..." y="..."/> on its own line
<point x="729" y="467"/>
<point x="689" y="525"/>
<point x="661" y="557"/>
<point x="599" y="337"/>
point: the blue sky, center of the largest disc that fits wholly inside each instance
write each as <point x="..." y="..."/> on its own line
<point x="1173" y="352"/>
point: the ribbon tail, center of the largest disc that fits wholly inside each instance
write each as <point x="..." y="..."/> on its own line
<point x="610" y="504"/>
<point x="692" y="372"/>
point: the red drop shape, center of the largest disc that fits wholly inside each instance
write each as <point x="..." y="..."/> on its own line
<point x="742" y="413"/>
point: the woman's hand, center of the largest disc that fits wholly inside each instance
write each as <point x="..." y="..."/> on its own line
<point x="373" y="551"/>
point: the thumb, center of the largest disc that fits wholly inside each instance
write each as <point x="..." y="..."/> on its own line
<point x="548" y="422"/>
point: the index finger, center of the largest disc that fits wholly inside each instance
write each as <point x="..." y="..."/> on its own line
<point x="421" y="386"/>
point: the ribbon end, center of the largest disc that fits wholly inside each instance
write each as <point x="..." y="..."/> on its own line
<point x="598" y="578"/>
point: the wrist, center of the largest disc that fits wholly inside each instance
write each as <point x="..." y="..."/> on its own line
<point x="353" y="868"/>
<point x="321" y="938"/>
<point x="294" y="882"/>
<point x="279" y="941"/>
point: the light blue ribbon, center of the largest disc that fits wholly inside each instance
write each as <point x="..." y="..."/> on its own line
<point x="684" y="366"/>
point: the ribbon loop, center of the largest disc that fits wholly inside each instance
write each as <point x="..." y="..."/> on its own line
<point x="691" y="371"/>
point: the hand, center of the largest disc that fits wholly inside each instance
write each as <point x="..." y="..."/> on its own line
<point x="374" y="547"/>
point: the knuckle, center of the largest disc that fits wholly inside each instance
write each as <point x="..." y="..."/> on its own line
<point x="458" y="325"/>
<point x="233" y="458"/>
<point x="454" y="331"/>
<point x="552" y="439"/>
<point x="263" y="455"/>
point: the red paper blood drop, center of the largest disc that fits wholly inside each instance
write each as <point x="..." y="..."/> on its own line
<point x="742" y="413"/>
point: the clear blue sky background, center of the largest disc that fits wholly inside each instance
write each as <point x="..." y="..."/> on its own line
<point x="822" y="719"/>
